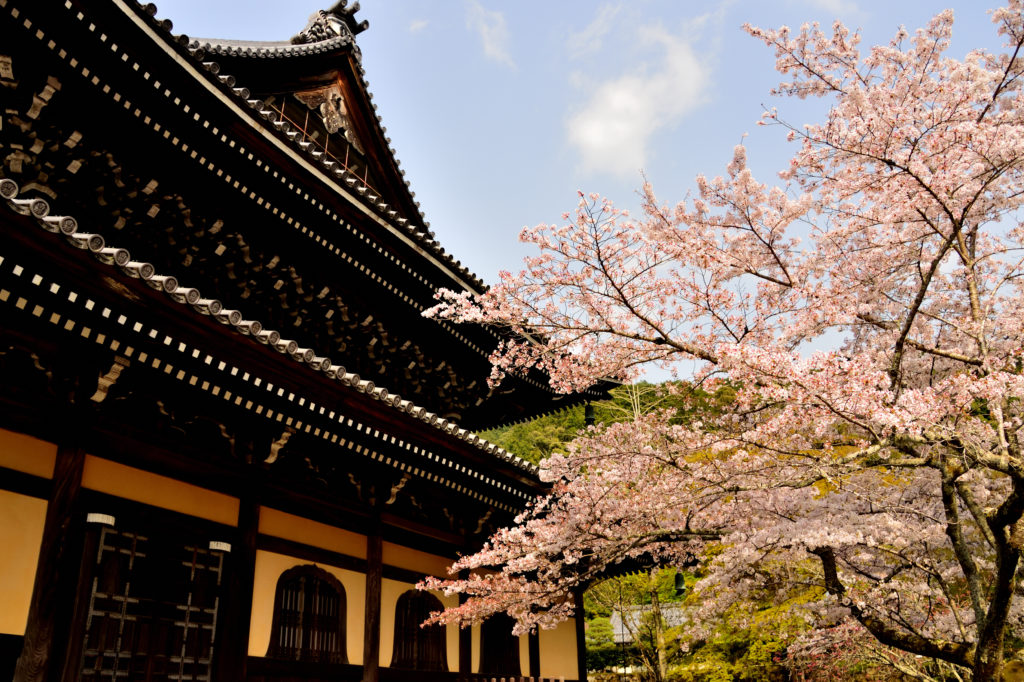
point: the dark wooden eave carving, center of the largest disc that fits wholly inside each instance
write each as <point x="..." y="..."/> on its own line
<point x="176" y="175"/>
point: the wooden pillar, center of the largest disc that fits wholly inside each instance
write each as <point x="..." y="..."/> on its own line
<point x="533" y="645"/>
<point x="581" y="635"/>
<point x="91" y="533"/>
<point x="233" y="649"/>
<point x="465" y="638"/>
<point x="371" y="621"/>
<point x="53" y="592"/>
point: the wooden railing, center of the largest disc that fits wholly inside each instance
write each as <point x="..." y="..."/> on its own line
<point x="321" y="147"/>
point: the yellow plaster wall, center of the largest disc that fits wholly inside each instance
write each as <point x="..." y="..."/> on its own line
<point x="159" y="491"/>
<point x="269" y="567"/>
<point x="414" y="560"/>
<point x="558" y="651"/>
<point x="21" y="532"/>
<point x="27" y="454"/>
<point x="306" y="531"/>
<point x="390" y="591"/>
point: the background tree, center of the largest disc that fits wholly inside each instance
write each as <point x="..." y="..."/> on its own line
<point x="602" y="651"/>
<point x="539" y="438"/>
<point x="887" y="471"/>
<point x="643" y="600"/>
<point x="652" y="647"/>
<point x="847" y="651"/>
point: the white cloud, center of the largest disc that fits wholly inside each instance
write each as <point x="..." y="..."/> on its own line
<point x="490" y="26"/>
<point x="589" y="39"/>
<point x="418" y="25"/>
<point x="613" y="130"/>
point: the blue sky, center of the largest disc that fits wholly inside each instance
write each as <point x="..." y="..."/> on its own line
<point x="500" y="112"/>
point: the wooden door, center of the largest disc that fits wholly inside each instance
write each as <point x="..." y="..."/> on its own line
<point x="152" y="612"/>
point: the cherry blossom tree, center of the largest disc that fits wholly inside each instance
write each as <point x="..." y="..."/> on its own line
<point x="868" y="316"/>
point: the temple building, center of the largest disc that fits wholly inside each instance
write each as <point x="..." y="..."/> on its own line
<point x="230" y="444"/>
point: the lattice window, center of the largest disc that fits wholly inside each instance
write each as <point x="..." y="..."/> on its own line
<point x="499" y="648"/>
<point x="309" y="617"/>
<point x="415" y="647"/>
<point x="152" y="609"/>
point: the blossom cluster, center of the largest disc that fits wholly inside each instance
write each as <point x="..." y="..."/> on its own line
<point x="869" y="316"/>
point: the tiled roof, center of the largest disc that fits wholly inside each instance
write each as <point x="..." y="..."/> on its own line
<point x="266" y="49"/>
<point x="630" y="621"/>
<point x="202" y="51"/>
<point x="241" y="104"/>
<point x="178" y="292"/>
<point x="417" y="230"/>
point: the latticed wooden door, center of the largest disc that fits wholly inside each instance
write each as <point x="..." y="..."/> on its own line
<point x="499" y="648"/>
<point x="152" y="609"/>
<point x="416" y="647"/>
<point x="309" y="617"/>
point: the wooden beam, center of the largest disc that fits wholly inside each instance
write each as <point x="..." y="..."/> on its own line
<point x="371" y="621"/>
<point x="534" y="647"/>
<point x="24" y="484"/>
<point x="234" y="635"/>
<point x="316" y="555"/>
<point x="49" y="629"/>
<point x="79" y="606"/>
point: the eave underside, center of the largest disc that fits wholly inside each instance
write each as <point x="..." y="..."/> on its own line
<point x="126" y="381"/>
<point x="195" y="194"/>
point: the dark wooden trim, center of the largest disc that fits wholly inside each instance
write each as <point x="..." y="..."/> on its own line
<point x="581" y="636"/>
<point x="300" y="550"/>
<point x="407" y="538"/>
<point x="24" y="484"/>
<point x="371" y="621"/>
<point x="533" y="644"/>
<point x="46" y="634"/>
<point x="234" y="638"/>
<point x="352" y="517"/>
<point x="397" y="527"/>
<point x="323" y="509"/>
<point x="145" y="513"/>
<point x="402" y="575"/>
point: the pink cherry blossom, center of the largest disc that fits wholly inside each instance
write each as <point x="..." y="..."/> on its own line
<point x="886" y="471"/>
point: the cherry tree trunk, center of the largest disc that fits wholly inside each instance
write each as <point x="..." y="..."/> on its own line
<point x="988" y="665"/>
<point x="988" y="659"/>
